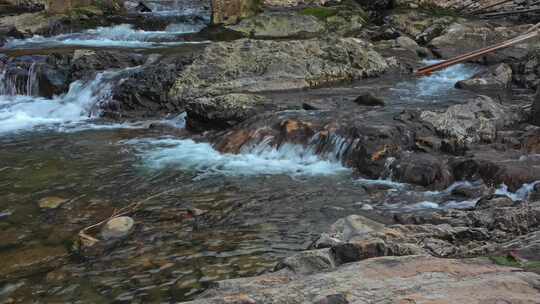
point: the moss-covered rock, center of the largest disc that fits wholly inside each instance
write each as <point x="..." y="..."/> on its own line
<point x="301" y="24"/>
<point x="262" y="65"/>
<point x="232" y="11"/>
<point x="280" y="25"/>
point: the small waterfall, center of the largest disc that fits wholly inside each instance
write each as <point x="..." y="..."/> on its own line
<point x="259" y="158"/>
<point x="18" y="81"/>
<point x="32" y="85"/>
<point x="22" y="112"/>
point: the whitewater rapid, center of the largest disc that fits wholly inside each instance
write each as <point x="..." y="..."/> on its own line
<point x="124" y="36"/>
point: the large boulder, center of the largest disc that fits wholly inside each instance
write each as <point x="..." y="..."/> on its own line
<point x="224" y="111"/>
<point x="535" y="111"/>
<point x="260" y="65"/>
<point x="232" y="11"/>
<point x="466" y="36"/>
<point x="275" y="25"/>
<point x="86" y="63"/>
<point x="475" y="121"/>
<point x="411" y="279"/>
<point x="143" y="93"/>
<point x="420" y="25"/>
<point x="498" y="77"/>
<point x="422" y="169"/>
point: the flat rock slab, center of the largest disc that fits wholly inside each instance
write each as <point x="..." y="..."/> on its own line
<point x="410" y="279"/>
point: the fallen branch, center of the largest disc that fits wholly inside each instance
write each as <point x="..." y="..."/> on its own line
<point x="530" y="33"/>
<point x="89" y="241"/>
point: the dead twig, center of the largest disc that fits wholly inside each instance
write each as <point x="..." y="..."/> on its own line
<point x="88" y="240"/>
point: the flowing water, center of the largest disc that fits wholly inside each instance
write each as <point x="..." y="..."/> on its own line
<point x="257" y="206"/>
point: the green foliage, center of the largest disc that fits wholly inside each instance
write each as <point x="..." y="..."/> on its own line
<point x="319" y="12"/>
<point x="508" y="261"/>
<point x="505" y="261"/>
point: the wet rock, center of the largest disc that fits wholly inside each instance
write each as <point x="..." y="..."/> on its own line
<point x="9" y="32"/>
<point x="231" y="12"/>
<point x="369" y="99"/>
<point x="467" y="190"/>
<point x="535" y="193"/>
<point x="466" y="36"/>
<point x="527" y="70"/>
<point x="376" y="4"/>
<point x="497" y="77"/>
<point x="418" y="24"/>
<point x="262" y="65"/>
<point x="475" y="121"/>
<point x="51" y="202"/>
<point x="535" y="111"/>
<point x="308" y="262"/>
<point x="492" y="202"/>
<point x="28" y="23"/>
<point x="512" y="173"/>
<point x="143" y="93"/>
<point x="221" y="112"/>
<point x="274" y="25"/>
<point x="86" y="64"/>
<point x="354" y="227"/>
<point x="117" y="228"/>
<point x="30" y="260"/>
<point x="422" y="169"/>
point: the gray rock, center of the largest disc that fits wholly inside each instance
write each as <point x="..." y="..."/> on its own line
<point x="354" y="227"/>
<point x="221" y="112"/>
<point x="263" y="65"/>
<point x="309" y="262"/>
<point x="118" y="227"/>
<point x="369" y="99"/>
<point x="387" y="280"/>
<point x="496" y="77"/>
<point x="475" y="121"/>
<point x="492" y="202"/>
<point x="51" y="202"/>
<point x="276" y="25"/>
<point x="422" y="169"/>
<point x="465" y="36"/>
<point x="535" y="111"/>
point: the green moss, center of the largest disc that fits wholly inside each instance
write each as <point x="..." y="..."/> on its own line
<point x="505" y="261"/>
<point x="319" y="12"/>
<point x="532" y="266"/>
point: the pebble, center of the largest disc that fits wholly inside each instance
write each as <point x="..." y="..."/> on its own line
<point x="366" y="207"/>
<point x="51" y="202"/>
<point x="118" y="227"/>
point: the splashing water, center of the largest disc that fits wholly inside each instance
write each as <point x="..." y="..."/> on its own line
<point x="522" y="194"/>
<point x="18" y="112"/>
<point x="435" y="85"/>
<point x="189" y="155"/>
<point x="14" y="84"/>
<point x="123" y="35"/>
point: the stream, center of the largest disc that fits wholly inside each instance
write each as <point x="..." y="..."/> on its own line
<point x="259" y="206"/>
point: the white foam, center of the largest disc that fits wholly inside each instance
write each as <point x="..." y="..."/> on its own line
<point x="19" y="112"/>
<point x="444" y="80"/>
<point x="429" y="88"/>
<point x="123" y="35"/>
<point x="522" y="194"/>
<point x="186" y="154"/>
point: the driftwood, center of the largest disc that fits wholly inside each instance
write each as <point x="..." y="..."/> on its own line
<point x="530" y="33"/>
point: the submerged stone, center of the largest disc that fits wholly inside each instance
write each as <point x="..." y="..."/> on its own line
<point x="118" y="227"/>
<point x="51" y="202"/>
<point x="369" y="99"/>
